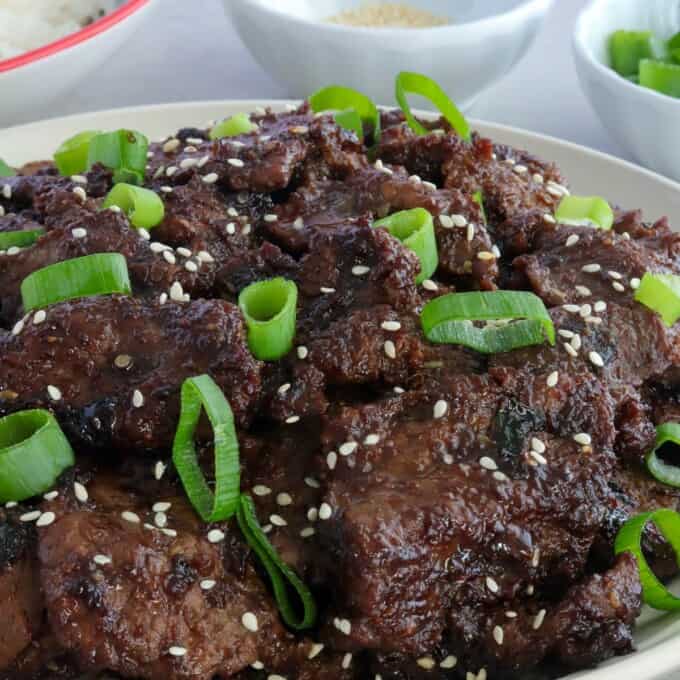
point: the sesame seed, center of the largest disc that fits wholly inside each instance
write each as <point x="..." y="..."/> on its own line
<point x="188" y="163"/>
<point x="137" y="399"/>
<point x="583" y="438"/>
<point x="249" y="621"/>
<point x="235" y="162"/>
<point x="343" y="625"/>
<point x="447" y="458"/>
<point x="284" y="388"/>
<point x="171" y="145"/>
<point x="311" y="482"/>
<point x="520" y="169"/>
<point x="498" y="635"/>
<point x="278" y="521"/>
<point x="538" y="619"/>
<point x="371" y="439"/>
<point x="426" y="662"/>
<point x="326" y="290"/>
<point x="13" y="250"/>
<point x="440" y="409"/>
<point x="210" y="178"/>
<point x="582" y="291"/>
<point x="552" y="379"/>
<point x="54" y="393"/>
<point x="171" y="170"/>
<point x="591" y="268"/>
<point x="80" y="193"/>
<point x="157" y="247"/>
<point x="176" y="292"/>
<point x="129" y="516"/>
<point x="360" y="270"/>
<point x="446" y="221"/>
<point x="593" y="319"/>
<point x="430" y="185"/>
<point x="284" y="498"/>
<point x="398" y="390"/>
<point x="576" y="342"/>
<point x="470" y="233"/>
<point x="428" y="284"/>
<point x="572" y="240"/>
<point x="50" y="495"/>
<point x="205" y="256"/>
<point x="80" y="492"/>
<point x="615" y="275"/>
<point x="315" y="650"/>
<point x="271" y="217"/>
<point x="162" y="506"/>
<point x="488" y="463"/>
<point x="511" y="614"/>
<point x="563" y="332"/>
<point x="572" y="309"/>
<point x="390" y="326"/>
<point x="18" y="327"/>
<point x="510" y="161"/>
<point x="261" y="490"/>
<point x="232" y="212"/>
<point x="600" y="306"/>
<point x="449" y="662"/>
<point x="530" y="589"/>
<point x="231" y="228"/>
<point x="215" y="536"/>
<point x="169" y="257"/>
<point x="45" y="519"/>
<point x="549" y="219"/>
<point x="415" y="179"/>
<point x="101" y="560"/>
<point x="325" y="511"/>
<point x="537" y="445"/>
<point x="596" y="359"/>
<point x="499" y="476"/>
<point x="536" y="557"/>
<point x="257" y="665"/>
<point x="347" y="660"/>
<point x="160" y="519"/>
<point x="177" y="651"/>
<point x="159" y="470"/>
<point x="492" y="585"/>
<point x="538" y="457"/>
<point x="307" y="532"/>
<point x="390" y="349"/>
<point x="538" y="178"/>
<point x="30" y="516"/>
<point x="618" y="287"/>
<point x="207" y="584"/>
<point x="313" y="514"/>
<point x="332" y="460"/>
<point x="39" y="316"/>
<point x="554" y="192"/>
<point x="635" y="283"/>
<point x="570" y="350"/>
<point x="485" y="255"/>
<point x="184" y="252"/>
<point x="299" y="223"/>
<point x="347" y="448"/>
<point x="274" y="676"/>
<point x="79" y="232"/>
<point x="169" y="532"/>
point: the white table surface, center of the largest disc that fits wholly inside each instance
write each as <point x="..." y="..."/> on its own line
<point x="191" y="52"/>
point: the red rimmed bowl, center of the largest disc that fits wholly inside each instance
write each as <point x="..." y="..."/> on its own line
<point x="30" y="81"/>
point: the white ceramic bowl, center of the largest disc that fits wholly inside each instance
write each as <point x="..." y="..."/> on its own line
<point x="643" y="121"/>
<point x="31" y="80"/>
<point x="291" y="40"/>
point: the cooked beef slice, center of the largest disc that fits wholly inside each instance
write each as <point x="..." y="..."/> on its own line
<point x="111" y="367"/>
<point x="123" y="593"/>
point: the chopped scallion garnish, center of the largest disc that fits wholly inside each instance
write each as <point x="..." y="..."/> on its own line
<point x="33" y="453"/>
<point x="665" y="472"/>
<point x="123" y="151"/>
<point x="19" y="239"/>
<point x="269" y="308"/>
<point x="415" y="229"/>
<point x="661" y="292"/>
<point x="627" y="49"/>
<point x="523" y="320"/>
<point x="143" y="207"/>
<point x="238" y="124"/>
<point x="198" y="393"/>
<point x="71" y="157"/>
<point x="585" y="211"/>
<point x="341" y="99"/>
<point x="415" y="83"/>
<point x="629" y="539"/>
<point x="660" y="76"/>
<point x="5" y="170"/>
<point x="99" y="274"/>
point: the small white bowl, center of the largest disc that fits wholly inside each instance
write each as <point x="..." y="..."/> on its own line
<point x="31" y="80"/>
<point x="293" y="42"/>
<point x="643" y="121"/>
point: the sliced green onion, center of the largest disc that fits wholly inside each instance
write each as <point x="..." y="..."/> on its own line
<point x="143" y="207"/>
<point x="415" y="229"/>
<point x="238" y="124"/>
<point x="627" y="49"/>
<point x="585" y="211"/>
<point x="673" y="47"/>
<point x="660" y="76"/>
<point x="349" y="119"/>
<point x="283" y="578"/>
<point x="198" y="393"/>
<point x="629" y="539"/>
<point x="415" y="83"/>
<point x="664" y="472"/>
<point x="19" y="239"/>
<point x="478" y="198"/>
<point x="71" y="157"/>
<point x="5" y="170"/>
<point x="33" y="453"/>
<point x="338" y="98"/>
<point x="99" y="274"/>
<point x="269" y="308"/>
<point x="448" y="320"/>
<point x="123" y="151"/>
<point x="661" y="292"/>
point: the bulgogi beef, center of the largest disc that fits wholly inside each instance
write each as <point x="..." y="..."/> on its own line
<point x="453" y="513"/>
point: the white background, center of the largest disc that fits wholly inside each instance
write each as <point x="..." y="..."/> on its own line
<point x="191" y="52"/>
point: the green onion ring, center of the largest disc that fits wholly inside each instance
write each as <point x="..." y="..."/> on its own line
<point x="198" y="393"/>
<point x="415" y="83"/>
<point x="123" y="151"/>
<point x="33" y="453"/>
<point x="5" y="170"/>
<point x="627" y="49"/>
<point x="661" y="293"/>
<point x="660" y="76"/>
<point x="238" y="124"/>
<point x="99" y="274"/>
<point x="143" y="207"/>
<point x="349" y="119"/>
<point x="664" y="472"/>
<point x="71" y="157"/>
<point x="448" y="320"/>
<point x="281" y="575"/>
<point x="585" y="211"/>
<point x="269" y="308"/>
<point x="629" y="539"/>
<point x="19" y="239"/>
<point x="339" y="98"/>
<point x="415" y="229"/>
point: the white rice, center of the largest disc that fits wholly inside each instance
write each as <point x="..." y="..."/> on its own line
<point x="27" y="24"/>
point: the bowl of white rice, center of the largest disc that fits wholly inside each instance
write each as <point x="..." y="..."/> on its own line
<point x="47" y="46"/>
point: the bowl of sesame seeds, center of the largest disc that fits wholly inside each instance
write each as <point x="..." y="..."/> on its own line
<point x="465" y="46"/>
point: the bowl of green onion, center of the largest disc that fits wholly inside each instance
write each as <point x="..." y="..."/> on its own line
<point x="627" y="55"/>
